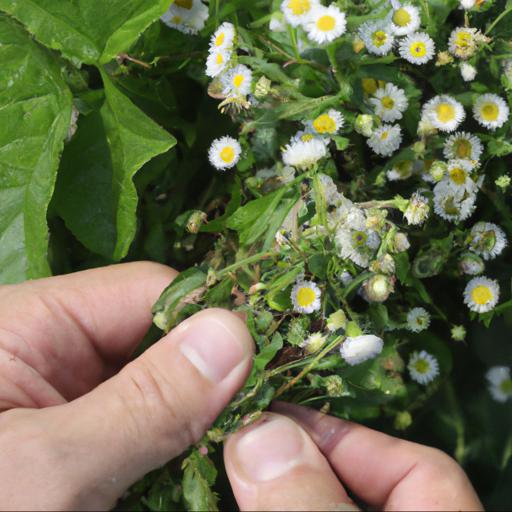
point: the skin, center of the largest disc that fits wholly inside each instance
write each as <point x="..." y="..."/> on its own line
<point x="79" y="423"/>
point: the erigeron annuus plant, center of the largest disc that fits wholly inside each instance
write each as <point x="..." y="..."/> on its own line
<point x="364" y="217"/>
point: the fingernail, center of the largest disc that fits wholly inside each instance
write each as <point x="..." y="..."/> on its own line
<point x="269" y="450"/>
<point x="215" y="342"/>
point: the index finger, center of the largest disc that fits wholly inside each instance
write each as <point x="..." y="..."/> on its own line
<point x="385" y="471"/>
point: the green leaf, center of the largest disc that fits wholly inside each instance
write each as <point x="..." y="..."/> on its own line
<point x="172" y="300"/>
<point x="35" y="113"/>
<point x="86" y="30"/>
<point x="198" y="478"/>
<point x="95" y="194"/>
<point x="268" y="352"/>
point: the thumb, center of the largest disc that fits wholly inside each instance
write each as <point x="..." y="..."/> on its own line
<point x="155" y="407"/>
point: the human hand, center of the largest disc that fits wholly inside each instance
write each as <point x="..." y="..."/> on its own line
<point x="75" y="433"/>
<point x="296" y="458"/>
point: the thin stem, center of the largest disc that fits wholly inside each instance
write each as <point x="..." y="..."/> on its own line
<point x="293" y="36"/>
<point x="246" y="261"/>
<point x="125" y="56"/>
<point x="331" y="54"/>
<point x="498" y="19"/>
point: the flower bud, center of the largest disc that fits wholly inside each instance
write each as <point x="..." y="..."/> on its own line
<point x="458" y="333"/>
<point x="262" y="88"/>
<point x="417" y="210"/>
<point x="196" y="219"/>
<point x="364" y="125"/>
<point x="503" y="182"/>
<point x="334" y="386"/>
<point x="438" y="170"/>
<point x="443" y="58"/>
<point x="337" y="320"/>
<point x="471" y="264"/>
<point x="385" y="265"/>
<point x="419" y="148"/>
<point x="400" y="242"/>
<point x="378" y="288"/>
<point x="357" y="45"/>
<point x="314" y="343"/>
<point x="403" y="420"/>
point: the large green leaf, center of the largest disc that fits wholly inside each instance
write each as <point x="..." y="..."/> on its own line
<point x="35" y="113"/>
<point x="86" y="30"/>
<point x="95" y="193"/>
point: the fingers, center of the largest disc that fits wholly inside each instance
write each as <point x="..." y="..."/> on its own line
<point x="384" y="471"/>
<point x="153" y="409"/>
<point x="68" y="333"/>
<point x="274" y="465"/>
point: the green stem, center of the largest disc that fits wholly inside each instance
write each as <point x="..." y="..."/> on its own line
<point x="498" y="19"/>
<point x="246" y="261"/>
<point x="321" y="207"/>
<point x="458" y="424"/>
<point x="293" y="36"/>
<point x="331" y="54"/>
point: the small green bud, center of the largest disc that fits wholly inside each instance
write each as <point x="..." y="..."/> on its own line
<point x="419" y="148"/>
<point x="337" y="320"/>
<point x="378" y="288"/>
<point x="334" y="386"/>
<point x="438" y="170"/>
<point x="196" y="219"/>
<point x="503" y="182"/>
<point x="297" y="330"/>
<point x="403" y="420"/>
<point x="364" y="125"/>
<point x="263" y="87"/>
<point x="458" y="333"/>
<point x="471" y="264"/>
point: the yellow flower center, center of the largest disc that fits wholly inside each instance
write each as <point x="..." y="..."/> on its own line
<point x="220" y="39"/>
<point x="418" y="49"/>
<point x="384" y="135"/>
<point x="238" y="80"/>
<point x="388" y="102"/>
<point x="458" y="175"/>
<point x="422" y="366"/>
<point x="379" y="38"/>
<point x="306" y="137"/>
<point x="324" y="124"/>
<point x="299" y="7"/>
<point x="481" y="295"/>
<point x="401" y="17"/>
<point x="445" y="112"/>
<point x="463" y="148"/>
<point x="369" y="85"/>
<point x="325" y="23"/>
<point x="176" y="20"/>
<point x="184" y="4"/>
<point x="227" y="154"/>
<point x="463" y="39"/>
<point x="305" y="297"/>
<point x="219" y="59"/>
<point x="490" y="111"/>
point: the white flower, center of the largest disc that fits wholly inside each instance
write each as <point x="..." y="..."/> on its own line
<point x="467" y="72"/>
<point x="325" y="24"/>
<point x="467" y="4"/>
<point x="400" y="171"/>
<point x="481" y="294"/>
<point x="458" y="176"/>
<point x="223" y="37"/>
<point x="361" y="348"/>
<point x="462" y="42"/>
<point x="224" y="153"/>
<point x="417" y="210"/>
<point x="444" y="113"/>
<point x="463" y="145"/>
<point x="306" y="297"/>
<point x="328" y="123"/>
<point x="491" y="111"/>
<point x="418" y="319"/>
<point x="500" y="383"/>
<point x="297" y="12"/>
<point x="304" y="154"/>
<point x="386" y="139"/>
<point x="276" y="24"/>
<point x="487" y="240"/>
<point x="423" y="367"/>
<point x="453" y="204"/>
<point x="187" y="16"/>
<point x="405" y="19"/>
<point x="401" y="242"/>
<point x="314" y="342"/>
<point x="217" y="62"/>
<point x="237" y="81"/>
<point x="417" y="48"/>
<point x="377" y="37"/>
<point x="389" y="102"/>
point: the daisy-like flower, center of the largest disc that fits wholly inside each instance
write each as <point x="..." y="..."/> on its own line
<point x="417" y="48"/>
<point x="463" y="145"/>
<point x="304" y="154"/>
<point x="417" y="210"/>
<point x="217" y="62"/>
<point x="327" y="123"/>
<point x="297" y="12"/>
<point x="500" y="383"/>
<point x="491" y="111"/>
<point x="386" y="139"/>
<point x="481" y="294"/>
<point x="358" y="349"/>
<point x="400" y="171"/>
<point x="224" y="153"/>
<point x="487" y="240"/>
<point x="389" y="103"/>
<point x="187" y="16"/>
<point x="467" y="4"/>
<point x="354" y="241"/>
<point x="418" y="319"/>
<point x="314" y="342"/>
<point x="405" y="20"/>
<point x="423" y="367"/>
<point x="237" y="81"/>
<point x="377" y="37"/>
<point x="453" y="204"/>
<point x="467" y="72"/>
<point x="458" y="175"/>
<point x="306" y="297"/>
<point x="462" y="42"/>
<point x="223" y="37"/>
<point x="444" y="113"/>
<point x="325" y="24"/>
